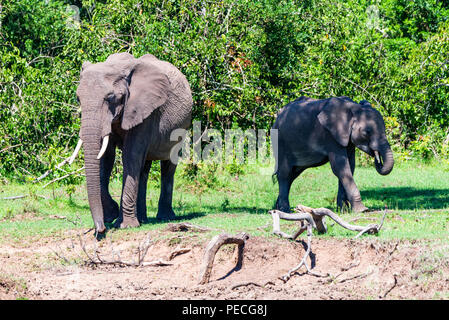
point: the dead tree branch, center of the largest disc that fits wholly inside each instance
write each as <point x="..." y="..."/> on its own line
<point x="178" y="252"/>
<point x="24" y="196"/>
<point x="212" y="248"/>
<point x="142" y="251"/>
<point x="320" y="213"/>
<point x="314" y="218"/>
<point x="358" y="276"/>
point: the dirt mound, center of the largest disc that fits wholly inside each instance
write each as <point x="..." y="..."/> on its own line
<point x="350" y="269"/>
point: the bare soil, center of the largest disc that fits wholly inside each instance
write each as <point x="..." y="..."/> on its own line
<point x="352" y="269"/>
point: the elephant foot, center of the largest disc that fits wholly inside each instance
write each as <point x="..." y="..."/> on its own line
<point x="166" y="214"/>
<point x="99" y="227"/>
<point x="282" y="206"/>
<point x="127" y="223"/>
<point x="359" y="208"/>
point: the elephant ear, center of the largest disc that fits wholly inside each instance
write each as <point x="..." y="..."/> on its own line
<point x="148" y="90"/>
<point x="336" y="116"/>
<point x="365" y="103"/>
<point x="85" y="65"/>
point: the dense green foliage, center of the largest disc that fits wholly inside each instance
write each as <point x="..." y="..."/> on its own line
<point x="244" y="60"/>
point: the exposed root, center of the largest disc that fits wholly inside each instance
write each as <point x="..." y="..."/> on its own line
<point x="352" y="265"/>
<point x="391" y="288"/>
<point x="177" y="227"/>
<point x="212" y="248"/>
<point x="244" y="284"/>
<point x="359" y="276"/>
<point x="178" y="252"/>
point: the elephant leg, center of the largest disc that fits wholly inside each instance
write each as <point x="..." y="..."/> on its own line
<point x="110" y="207"/>
<point x="342" y="169"/>
<point x="342" y="198"/>
<point x="133" y="158"/>
<point x="165" y="210"/>
<point x="142" y="195"/>
<point x="285" y="180"/>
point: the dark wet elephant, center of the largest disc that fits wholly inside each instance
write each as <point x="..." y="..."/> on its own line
<point x="312" y="132"/>
<point x="133" y="104"/>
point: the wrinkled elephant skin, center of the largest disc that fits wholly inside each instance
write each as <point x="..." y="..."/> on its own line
<point x="133" y="104"/>
<point x="313" y="132"/>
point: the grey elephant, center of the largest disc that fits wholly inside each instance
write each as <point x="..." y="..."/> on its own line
<point x="313" y="132"/>
<point x="133" y="104"/>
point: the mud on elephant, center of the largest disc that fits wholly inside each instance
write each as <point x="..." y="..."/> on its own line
<point x="313" y="132"/>
<point x="133" y="104"/>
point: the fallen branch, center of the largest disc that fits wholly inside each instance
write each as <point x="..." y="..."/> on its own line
<point x="244" y="284"/>
<point x="177" y="253"/>
<point x="15" y="197"/>
<point x="116" y="259"/>
<point x="359" y="276"/>
<point x="156" y="263"/>
<point x="212" y="248"/>
<point x="320" y="213"/>
<point x="24" y="196"/>
<point x="183" y="227"/>
<point x="314" y="218"/>
<point x="352" y="265"/>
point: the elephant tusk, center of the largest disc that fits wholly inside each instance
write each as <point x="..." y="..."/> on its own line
<point x="75" y="152"/>
<point x="376" y="154"/>
<point x="103" y="147"/>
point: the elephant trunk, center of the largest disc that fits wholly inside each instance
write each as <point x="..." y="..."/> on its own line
<point x="384" y="164"/>
<point x="91" y="135"/>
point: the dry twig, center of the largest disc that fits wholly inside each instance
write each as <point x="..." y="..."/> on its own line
<point x="358" y="276"/>
<point x="116" y="259"/>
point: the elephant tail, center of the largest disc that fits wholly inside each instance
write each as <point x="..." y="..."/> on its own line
<point x="274" y="177"/>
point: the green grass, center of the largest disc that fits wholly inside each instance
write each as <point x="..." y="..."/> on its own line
<point x="416" y="194"/>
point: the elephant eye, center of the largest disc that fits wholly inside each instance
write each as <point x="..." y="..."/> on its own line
<point x="366" y="133"/>
<point x="110" y="97"/>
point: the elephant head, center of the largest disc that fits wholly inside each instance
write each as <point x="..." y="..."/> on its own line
<point x="122" y="90"/>
<point x="360" y="124"/>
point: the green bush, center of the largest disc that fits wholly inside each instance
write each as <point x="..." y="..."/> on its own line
<point x="244" y="60"/>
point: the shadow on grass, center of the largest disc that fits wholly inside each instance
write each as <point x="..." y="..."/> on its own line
<point x="179" y="218"/>
<point x="74" y="205"/>
<point x="409" y="198"/>
<point x="221" y="209"/>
